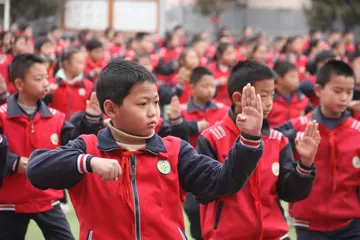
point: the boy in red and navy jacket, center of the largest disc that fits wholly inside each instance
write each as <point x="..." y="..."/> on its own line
<point x="95" y="60"/>
<point x="201" y="111"/>
<point x="255" y="212"/>
<point x="147" y="190"/>
<point x="332" y="210"/>
<point x="288" y="102"/>
<point x="28" y="125"/>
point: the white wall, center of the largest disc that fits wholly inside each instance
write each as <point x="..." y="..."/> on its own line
<point x="293" y="4"/>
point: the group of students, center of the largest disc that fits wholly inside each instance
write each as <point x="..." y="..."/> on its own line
<point x="122" y="140"/>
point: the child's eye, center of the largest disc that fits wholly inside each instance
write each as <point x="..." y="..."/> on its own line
<point x="157" y="102"/>
<point x="143" y="104"/>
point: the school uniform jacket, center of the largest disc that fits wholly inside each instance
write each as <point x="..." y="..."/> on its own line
<point x="157" y="176"/>
<point x="255" y="211"/>
<point x="192" y="114"/>
<point x="91" y="65"/>
<point x="3" y="156"/>
<point x="71" y="98"/>
<point x="4" y="71"/>
<point x="286" y="109"/>
<point x="221" y="91"/>
<point x="47" y="130"/>
<point x="334" y="199"/>
<point x="164" y="69"/>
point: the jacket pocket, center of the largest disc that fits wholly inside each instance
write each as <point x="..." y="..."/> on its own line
<point x="218" y="214"/>
<point x="89" y="235"/>
<point x="183" y="236"/>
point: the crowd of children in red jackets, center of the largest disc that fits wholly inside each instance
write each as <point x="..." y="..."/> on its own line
<point x="282" y="118"/>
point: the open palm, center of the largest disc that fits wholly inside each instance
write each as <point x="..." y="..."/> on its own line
<point x="251" y="119"/>
<point x="307" y="146"/>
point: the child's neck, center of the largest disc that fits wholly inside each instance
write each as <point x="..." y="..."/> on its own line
<point x="223" y="67"/>
<point x="283" y="91"/>
<point x="126" y="140"/>
<point x="198" y="101"/>
<point x="26" y="101"/>
<point x="69" y="76"/>
<point x="329" y="114"/>
<point x="94" y="60"/>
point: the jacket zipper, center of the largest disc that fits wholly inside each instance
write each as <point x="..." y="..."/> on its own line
<point x="70" y="101"/>
<point x="136" y="197"/>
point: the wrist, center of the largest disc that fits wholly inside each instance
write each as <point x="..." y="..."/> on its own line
<point x="84" y="163"/>
<point x="306" y="163"/>
<point x="250" y="140"/>
<point x="176" y="121"/>
<point x="91" y="118"/>
<point x="303" y="169"/>
<point x="15" y="166"/>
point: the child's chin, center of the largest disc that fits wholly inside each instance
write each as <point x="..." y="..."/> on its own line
<point x="147" y="132"/>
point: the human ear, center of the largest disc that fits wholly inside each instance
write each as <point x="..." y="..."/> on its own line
<point x="317" y="90"/>
<point x="110" y="108"/>
<point x="236" y="98"/>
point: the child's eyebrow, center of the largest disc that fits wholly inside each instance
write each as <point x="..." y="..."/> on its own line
<point x="267" y="91"/>
<point x="40" y="74"/>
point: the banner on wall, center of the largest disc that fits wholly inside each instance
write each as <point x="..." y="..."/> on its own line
<point x="122" y="15"/>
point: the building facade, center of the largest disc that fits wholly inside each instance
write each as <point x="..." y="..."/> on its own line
<point x="274" y="17"/>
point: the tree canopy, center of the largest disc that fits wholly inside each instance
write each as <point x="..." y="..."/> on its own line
<point x="33" y="9"/>
<point x="215" y="7"/>
<point x="321" y="14"/>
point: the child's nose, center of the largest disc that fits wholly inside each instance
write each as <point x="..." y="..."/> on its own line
<point x="152" y="111"/>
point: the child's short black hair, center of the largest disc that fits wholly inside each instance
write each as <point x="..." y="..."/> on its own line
<point x="354" y="56"/>
<point x="249" y="71"/>
<point x="196" y="39"/>
<point x="116" y="80"/>
<point x="336" y="44"/>
<point x="40" y="42"/>
<point x="333" y="68"/>
<point x="140" y="55"/>
<point x="282" y="67"/>
<point x="177" y="27"/>
<point x="68" y="53"/>
<point x="221" y="48"/>
<point x="24" y="26"/>
<point x="198" y="73"/>
<point x="54" y="28"/>
<point x="21" y="65"/>
<point x="141" y="35"/>
<point x="93" y="44"/>
<point x="324" y="56"/>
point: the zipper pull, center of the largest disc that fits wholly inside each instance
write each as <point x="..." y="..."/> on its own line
<point x="133" y="173"/>
<point x="32" y="128"/>
<point x="132" y="168"/>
